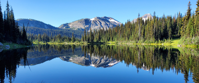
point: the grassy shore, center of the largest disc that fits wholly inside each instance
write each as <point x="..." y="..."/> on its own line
<point x="173" y="43"/>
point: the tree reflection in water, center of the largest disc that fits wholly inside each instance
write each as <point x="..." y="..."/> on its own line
<point x="9" y="61"/>
<point x="181" y="60"/>
<point x="149" y="58"/>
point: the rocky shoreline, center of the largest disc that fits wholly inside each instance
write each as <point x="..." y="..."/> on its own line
<point x="4" y="47"/>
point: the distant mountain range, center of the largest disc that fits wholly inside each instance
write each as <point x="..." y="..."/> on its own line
<point x="76" y="27"/>
<point x="94" y="23"/>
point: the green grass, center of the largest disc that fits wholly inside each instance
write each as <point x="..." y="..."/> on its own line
<point x="111" y="43"/>
<point x="174" y="43"/>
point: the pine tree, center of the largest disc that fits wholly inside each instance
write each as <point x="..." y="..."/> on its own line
<point x="197" y="9"/>
<point x="13" y="27"/>
<point x="17" y="33"/>
<point x="39" y="37"/>
<point x="73" y="38"/>
<point x="84" y="37"/>
<point x="188" y="12"/>
<point x="179" y="22"/>
<point x="1" y="24"/>
<point x="139" y="33"/>
<point x="190" y="28"/>
<point x="8" y="20"/>
<point x="91" y="35"/>
<point x="24" y="35"/>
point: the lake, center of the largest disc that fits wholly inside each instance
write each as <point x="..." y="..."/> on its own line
<point x="99" y="64"/>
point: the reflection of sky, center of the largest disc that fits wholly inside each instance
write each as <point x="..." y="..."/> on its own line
<point x="58" y="71"/>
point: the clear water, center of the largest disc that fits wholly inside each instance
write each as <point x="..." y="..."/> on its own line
<point x="87" y="64"/>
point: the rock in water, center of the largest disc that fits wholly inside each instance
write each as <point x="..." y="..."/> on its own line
<point x="1" y="45"/>
<point x="7" y="47"/>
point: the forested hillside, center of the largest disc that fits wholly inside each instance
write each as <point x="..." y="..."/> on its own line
<point x="54" y="32"/>
<point x="155" y="29"/>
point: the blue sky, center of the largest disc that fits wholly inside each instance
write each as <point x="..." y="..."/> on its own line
<point x="57" y="12"/>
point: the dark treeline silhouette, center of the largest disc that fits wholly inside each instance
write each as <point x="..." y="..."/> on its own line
<point x="9" y="61"/>
<point x="57" y="38"/>
<point x="9" y="29"/>
<point x="151" y="58"/>
<point x="152" y="30"/>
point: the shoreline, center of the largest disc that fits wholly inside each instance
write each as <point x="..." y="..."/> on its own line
<point x="10" y="46"/>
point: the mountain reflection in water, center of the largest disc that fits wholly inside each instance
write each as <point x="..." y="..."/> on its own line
<point x="149" y="58"/>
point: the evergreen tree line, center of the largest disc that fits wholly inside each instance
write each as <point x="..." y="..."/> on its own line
<point x="9" y="29"/>
<point x="57" y="38"/>
<point x="152" y="30"/>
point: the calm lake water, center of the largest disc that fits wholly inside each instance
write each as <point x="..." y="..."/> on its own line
<point x="99" y="64"/>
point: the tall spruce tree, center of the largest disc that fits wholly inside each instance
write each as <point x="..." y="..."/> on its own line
<point x="139" y="33"/>
<point x="73" y="38"/>
<point x="197" y="9"/>
<point x="179" y="22"/>
<point x="13" y="27"/>
<point x="1" y="24"/>
<point x="8" y="20"/>
<point x="188" y="14"/>
<point x="24" y="36"/>
<point x="84" y="37"/>
<point x="39" y="37"/>
<point x="91" y="35"/>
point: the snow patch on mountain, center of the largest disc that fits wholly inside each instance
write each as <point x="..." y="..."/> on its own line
<point x="144" y="18"/>
<point x="92" y="19"/>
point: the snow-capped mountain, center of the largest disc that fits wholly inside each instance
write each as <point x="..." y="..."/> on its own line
<point x="93" y="23"/>
<point x="144" y="18"/>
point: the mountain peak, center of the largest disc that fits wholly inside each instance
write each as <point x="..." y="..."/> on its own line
<point x="144" y="17"/>
<point x="93" y="23"/>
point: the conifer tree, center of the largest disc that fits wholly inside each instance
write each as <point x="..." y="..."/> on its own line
<point x="179" y="22"/>
<point x="17" y="32"/>
<point x="197" y="9"/>
<point x="91" y="35"/>
<point x="1" y="21"/>
<point x="39" y="37"/>
<point x="24" y="36"/>
<point x="188" y="14"/>
<point x="73" y="38"/>
<point x="139" y="33"/>
<point x="190" y="28"/>
<point x="84" y="37"/>
<point x="13" y="26"/>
